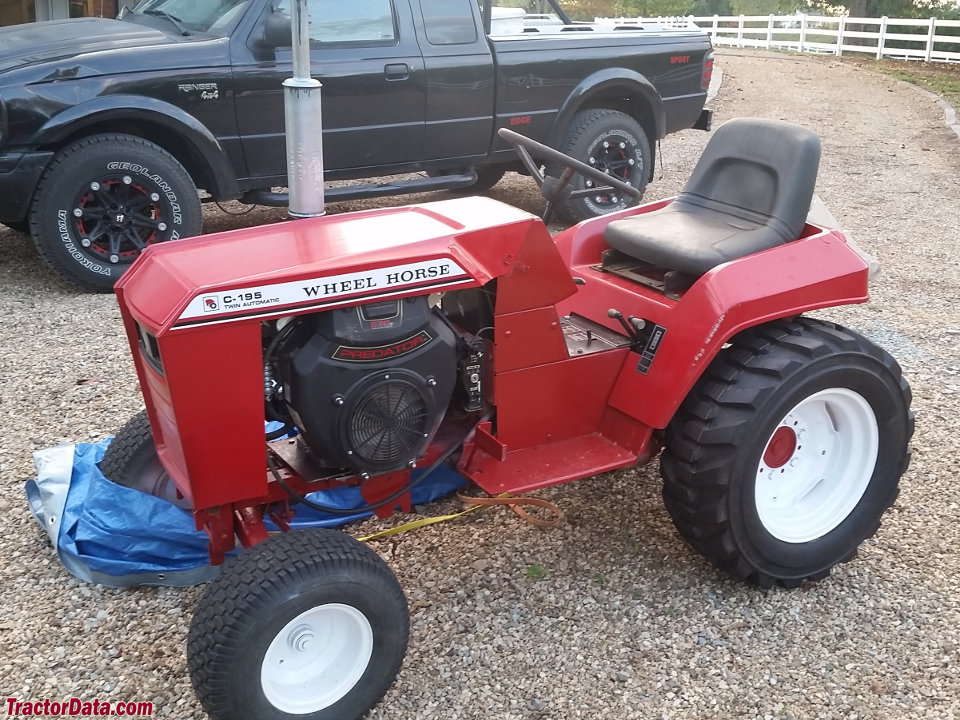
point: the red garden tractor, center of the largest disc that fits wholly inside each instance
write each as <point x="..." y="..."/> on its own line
<point x="391" y="342"/>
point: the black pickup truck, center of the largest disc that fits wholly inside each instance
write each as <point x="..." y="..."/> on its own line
<point x="109" y="127"/>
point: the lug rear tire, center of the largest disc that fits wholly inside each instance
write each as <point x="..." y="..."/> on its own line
<point x="783" y="458"/>
<point x="310" y="624"/>
<point x="105" y="198"/>
<point x="610" y="141"/>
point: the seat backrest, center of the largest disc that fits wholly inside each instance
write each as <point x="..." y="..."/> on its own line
<point x="761" y="170"/>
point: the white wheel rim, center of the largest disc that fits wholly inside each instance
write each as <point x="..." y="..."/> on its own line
<point x="816" y="465"/>
<point x="316" y="658"/>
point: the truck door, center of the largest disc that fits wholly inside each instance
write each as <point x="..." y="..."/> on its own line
<point x="365" y="53"/>
<point x="460" y="78"/>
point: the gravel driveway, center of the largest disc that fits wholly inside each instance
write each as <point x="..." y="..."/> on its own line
<point x="627" y="621"/>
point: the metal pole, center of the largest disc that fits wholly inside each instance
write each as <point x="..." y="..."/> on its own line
<point x="302" y="111"/>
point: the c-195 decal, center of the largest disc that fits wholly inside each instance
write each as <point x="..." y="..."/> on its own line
<point x="226" y="305"/>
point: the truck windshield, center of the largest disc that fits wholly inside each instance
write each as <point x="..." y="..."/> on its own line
<point x="204" y="16"/>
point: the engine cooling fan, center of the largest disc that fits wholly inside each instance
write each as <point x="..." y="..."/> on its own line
<point x="388" y="422"/>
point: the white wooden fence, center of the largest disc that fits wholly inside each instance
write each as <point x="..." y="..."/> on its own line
<point x="825" y="34"/>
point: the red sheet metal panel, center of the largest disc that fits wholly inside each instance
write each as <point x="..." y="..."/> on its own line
<point x="319" y="263"/>
<point x="817" y="271"/>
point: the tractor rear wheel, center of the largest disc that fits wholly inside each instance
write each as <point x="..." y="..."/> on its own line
<point x="783" y="458"/>
<point x="131" y="461"/>
<point x="310" y="624"/>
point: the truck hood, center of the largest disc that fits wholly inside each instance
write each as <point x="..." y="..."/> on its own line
<point x="39" y="42"/>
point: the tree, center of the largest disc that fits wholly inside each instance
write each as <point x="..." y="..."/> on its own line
<point x="702" y="8"/>
<point x="590" y="9"/>
<point x="892" y="8"/>
<point x="655" y="8"/>
<point x="763" y="7"/>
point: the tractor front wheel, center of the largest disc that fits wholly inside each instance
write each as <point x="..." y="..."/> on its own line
<point x="131" y="460"/>
<point x="786" y="454"/>
<point x="309" y="624"/>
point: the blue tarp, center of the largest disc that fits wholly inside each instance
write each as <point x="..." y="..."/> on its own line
<point x="119" y="537"/>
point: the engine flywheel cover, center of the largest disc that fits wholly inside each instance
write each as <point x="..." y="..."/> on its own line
<point x="387" y="421"/>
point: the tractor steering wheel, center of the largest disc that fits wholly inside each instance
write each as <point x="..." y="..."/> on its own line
<point x="556" y="189"/>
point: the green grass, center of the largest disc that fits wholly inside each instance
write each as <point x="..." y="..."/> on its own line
<point x="942" y="79"/>
<point x="536" y="572"/>
<point x="941" y="84"/>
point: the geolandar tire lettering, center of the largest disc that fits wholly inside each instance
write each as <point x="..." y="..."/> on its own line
<point x="103" y="200"/>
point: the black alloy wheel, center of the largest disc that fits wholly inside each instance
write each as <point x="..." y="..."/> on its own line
<point x="614" y="143"/>
<point x="615" y="156"/>
<point x="116" y="218"/>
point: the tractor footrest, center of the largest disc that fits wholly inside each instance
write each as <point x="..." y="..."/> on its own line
<point x="544" y="465"/>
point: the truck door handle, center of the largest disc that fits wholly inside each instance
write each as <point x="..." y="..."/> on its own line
<point x="397" y="71"/>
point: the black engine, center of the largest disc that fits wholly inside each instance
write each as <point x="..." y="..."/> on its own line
<point x="369" y="385"/>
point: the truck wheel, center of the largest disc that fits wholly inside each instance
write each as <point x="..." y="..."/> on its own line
<point x="102" y="200"/>
<point x="131" y="461"/>
<point x="787" y="452"/>
<point x="613" y="142"/>
<point x="309" y="624"/>
<point x="18" y="226"/>
<point x="487" y="177"/>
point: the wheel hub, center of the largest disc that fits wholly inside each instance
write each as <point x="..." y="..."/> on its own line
<point x="116" y="218"/>
<point x="316" y="658"/>
<point x="780" y="448"/>
<point x="617" y="158"/>
<point x="301" y="639"/>
<point x="816" y="465"/>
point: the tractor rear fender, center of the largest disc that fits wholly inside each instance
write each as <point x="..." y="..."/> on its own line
<point x="616" y="89"/>
<point x="818" y="271"/>
<point x="166" y="125"/>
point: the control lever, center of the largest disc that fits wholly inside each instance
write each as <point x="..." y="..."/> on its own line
<point x="633" y="327"/>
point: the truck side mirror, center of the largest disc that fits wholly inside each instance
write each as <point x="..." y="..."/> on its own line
<point x="277" y="30"/>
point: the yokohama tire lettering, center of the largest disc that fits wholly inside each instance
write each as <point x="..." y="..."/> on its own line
<point x="63" y="227"/>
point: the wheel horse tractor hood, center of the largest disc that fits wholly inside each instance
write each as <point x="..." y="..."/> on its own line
<point x="193" y="313"/>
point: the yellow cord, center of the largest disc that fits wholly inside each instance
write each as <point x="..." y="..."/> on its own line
<point x="478" y="504"/>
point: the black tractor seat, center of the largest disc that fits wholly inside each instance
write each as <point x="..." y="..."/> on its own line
<point x="750" y="191"/>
